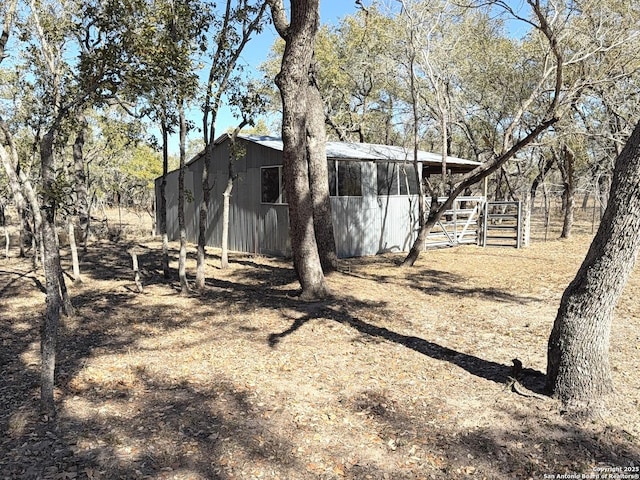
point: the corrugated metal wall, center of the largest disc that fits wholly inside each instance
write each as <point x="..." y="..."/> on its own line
<point x="254" y="227"/>
<point x="364" y="225"/>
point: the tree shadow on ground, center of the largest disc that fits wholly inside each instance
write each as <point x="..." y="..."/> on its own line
<point x="177" y="430"/>
<point x="153" y="427"/>
<point x="438" y="282"/>
<point x="144" y="427"/>
<point x="338" y="311"/>
<point x="16" y="284"/>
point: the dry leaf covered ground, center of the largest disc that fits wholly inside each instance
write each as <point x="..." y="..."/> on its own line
<point x="401" y="375"/>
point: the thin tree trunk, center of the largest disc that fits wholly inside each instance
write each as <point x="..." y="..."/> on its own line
<point x="445" y="149"/>
<point x="222" y="66"/>
<point x="422" y="200"/>
<point x="49" y="330"/>
<point x="547" y="210"/>
<point x="82" y="196"/>
<point x="7" y="237"/>
<point x="202" y="220"/>
<point x="585" y="200"/>
<point x="9" y="160"/>
<point x="38" y="250"/>
<point x="67" y="306"/>
<point x="569" y="194"/>
<point x="603" y="195"/>
<point x="22" y="230"/>
<point x="182" y="261"/>
<point x="578" y="371"/>
<point x="163" y="200"/>
<point x="226" y="195"/>
<point x="136" y="270"/>
<point x="544" y="169"/>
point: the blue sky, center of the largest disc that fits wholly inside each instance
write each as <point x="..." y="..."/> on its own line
<point x="331" y="11"/>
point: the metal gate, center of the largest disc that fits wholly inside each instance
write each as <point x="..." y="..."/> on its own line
<point x="460" y="225"/>
<point x="503" y="224"/>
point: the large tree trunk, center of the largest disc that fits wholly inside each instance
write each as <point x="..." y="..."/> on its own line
<point x="578" y="370"/>
<point x="51" y="261"/>
<point x="293" y="81"/>
<point x="182" y="259"/>
<point x="319" y="179"/>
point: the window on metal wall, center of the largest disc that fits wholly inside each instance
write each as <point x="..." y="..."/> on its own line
<point x="396" y="179"/>
<point x="407" y="177"/>
<point x="345" y="178"/>
<point x="272" y="185"/>
<point x="387" y="173"/>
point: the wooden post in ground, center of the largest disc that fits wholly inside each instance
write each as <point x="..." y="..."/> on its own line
<point x="136" y="270"/>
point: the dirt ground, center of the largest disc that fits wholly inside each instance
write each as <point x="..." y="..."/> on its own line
<point x="401" y="375"/>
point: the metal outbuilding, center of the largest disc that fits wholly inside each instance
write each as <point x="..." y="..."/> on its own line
<point x="373" y="196"/>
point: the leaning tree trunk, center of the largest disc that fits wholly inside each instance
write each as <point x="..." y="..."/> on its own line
<point x="578" y="371"/>
<point x="468" y="180"/>
<point x="293" y="82"/>
<point x="319" y="180"/>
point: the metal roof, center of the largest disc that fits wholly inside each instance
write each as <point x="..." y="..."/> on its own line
<point x="374" y="152"/>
